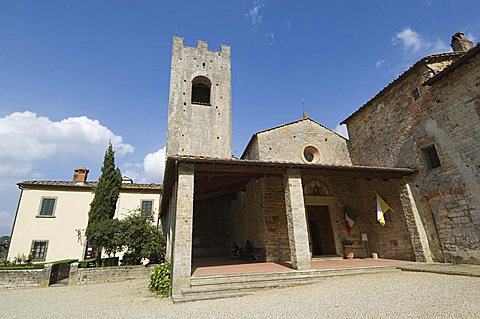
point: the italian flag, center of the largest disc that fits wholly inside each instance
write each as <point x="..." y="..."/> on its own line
<point x="350" y="218"/>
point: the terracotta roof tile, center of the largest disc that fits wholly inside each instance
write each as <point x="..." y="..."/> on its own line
<point x="86" y="184"/>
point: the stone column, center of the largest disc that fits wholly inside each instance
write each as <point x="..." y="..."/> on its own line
<point x="296" y="220"/>
<point x="182" y="235"/>
<point x="418" y="235"/>
<point x="47" y="271"/>
<point x="72" y="276"/>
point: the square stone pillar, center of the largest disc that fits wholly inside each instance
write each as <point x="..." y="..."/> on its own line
<point x="418" y="235"/>
<point x="181" y="260"/>
<point x="296" y="220"/>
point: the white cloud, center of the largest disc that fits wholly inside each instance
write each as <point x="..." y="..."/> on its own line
<point x="254" y="13"/>
<point x="379" y="64"/>
<point x="408" y="39"/>
<point x="154" y="164"/>
<point x="428" y="3"/>
<point x="151" y="170"/>
<point x="27" y="141"/>
<point x="31" y="146"/>
<point x="470" y="36"/>
<point x="342" y="130"/>
<point x="27" y="138"/>
<point x="413" y="43"/>
<point x="270" y="38"/>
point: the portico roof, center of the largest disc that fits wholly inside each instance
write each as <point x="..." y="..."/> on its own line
<point x="222" y="176"/>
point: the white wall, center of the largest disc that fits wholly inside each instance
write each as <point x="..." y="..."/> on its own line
<point x="70" y="215"/>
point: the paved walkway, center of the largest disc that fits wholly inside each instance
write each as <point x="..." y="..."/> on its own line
<point x="447" y="269"/>
<point x="399" y="294"/>
<point x="225" y="266"/>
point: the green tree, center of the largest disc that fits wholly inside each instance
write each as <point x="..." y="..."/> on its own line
<point x="4" y="242"/>
<point x="143" y="239"/>
<point x="102" y="208"/>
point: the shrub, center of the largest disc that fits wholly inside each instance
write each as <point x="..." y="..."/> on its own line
<point x="142" y="239"/>
<point x="160" y="280"/>
<point x="87" y="263"/>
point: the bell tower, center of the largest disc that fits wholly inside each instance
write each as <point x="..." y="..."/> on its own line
<point x="200" y="104"/>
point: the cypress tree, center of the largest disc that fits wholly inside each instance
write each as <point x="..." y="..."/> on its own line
<point x="102" y="208"/>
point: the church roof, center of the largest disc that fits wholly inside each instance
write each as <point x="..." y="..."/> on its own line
<point x="283" y="125"/>
<point x="427" y="59"/>
<point x="72" y="184"/>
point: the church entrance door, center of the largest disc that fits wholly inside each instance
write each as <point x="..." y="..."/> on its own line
<point x="322" y="240"/>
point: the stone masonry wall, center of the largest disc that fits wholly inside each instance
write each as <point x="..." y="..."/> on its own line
<point x="110" y="274"/>
<point x="195" y="129"/>
<point x="247" y="216"/>
<point x="21" y="278"/>
<point x="392" y="132"/>
<point x="286" y="143"/>
<point x="212" y="229"/>
<point x="390" y="241"/>
<point x="260" y="216"/>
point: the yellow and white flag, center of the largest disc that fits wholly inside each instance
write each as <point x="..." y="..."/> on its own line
<point x="382" y="208"/>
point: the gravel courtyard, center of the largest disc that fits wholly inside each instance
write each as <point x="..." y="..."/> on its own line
<point x="388" y="295"/>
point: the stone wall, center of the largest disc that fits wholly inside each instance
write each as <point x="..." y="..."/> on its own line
<point x="393" y="129"/>
<point x="21" y="278"/>
<point x="390" y="241"/>
<point x="212" y="229"/>
<point x="286" y="143"/>
<point x="247" y="216"/>
<point x="260" y="217"/>
<point x="109" y="274"/>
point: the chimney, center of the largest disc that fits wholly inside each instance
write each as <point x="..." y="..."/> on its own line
<point x="80" y="175"/>
<point x="460" y="43"/>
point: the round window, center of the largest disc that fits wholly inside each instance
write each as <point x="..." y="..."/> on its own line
<point x="310" y="154"/>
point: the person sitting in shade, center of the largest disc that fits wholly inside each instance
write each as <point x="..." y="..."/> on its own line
<point x="246" y="253"/>
<point x="235" y="251"/>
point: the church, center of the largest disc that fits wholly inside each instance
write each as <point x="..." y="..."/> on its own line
<point x="415" y="145"/>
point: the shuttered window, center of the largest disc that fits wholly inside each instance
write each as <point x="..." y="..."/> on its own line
<point x="146" y="207"/>
<point x="48" y="206"/>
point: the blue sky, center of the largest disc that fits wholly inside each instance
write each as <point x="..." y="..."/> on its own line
<point x="76" y="74"/>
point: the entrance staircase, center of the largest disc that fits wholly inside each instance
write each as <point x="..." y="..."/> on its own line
<point x="237" y="285"/>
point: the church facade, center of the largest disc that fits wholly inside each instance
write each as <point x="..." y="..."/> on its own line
<point x="415" y="144"/>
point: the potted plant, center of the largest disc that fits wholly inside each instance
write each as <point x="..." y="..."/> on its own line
<point x="347" y="248"/>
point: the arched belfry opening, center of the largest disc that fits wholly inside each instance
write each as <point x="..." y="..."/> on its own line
<point x="201" y="90"/>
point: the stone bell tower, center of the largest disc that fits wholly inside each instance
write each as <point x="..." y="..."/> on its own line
<point x="200" y="105"/>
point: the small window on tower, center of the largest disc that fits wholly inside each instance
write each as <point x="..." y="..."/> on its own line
<point x="201" y="90"/>
<point x="431" y="157"/>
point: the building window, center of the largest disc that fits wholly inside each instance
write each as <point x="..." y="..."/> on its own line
<point x="39" y="250"/>
<point x="431" y="157"/>
<point x="146" y="207"/>
<point x="201" y="90"/>
<point x="416" y="94"/>
<point x="47" y="207"/>
<point x="310" y="154"/>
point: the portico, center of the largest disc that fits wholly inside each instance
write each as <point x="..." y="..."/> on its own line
<point x="290" y="212"/>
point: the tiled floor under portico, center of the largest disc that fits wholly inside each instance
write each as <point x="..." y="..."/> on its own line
<point x="226" y="266"/>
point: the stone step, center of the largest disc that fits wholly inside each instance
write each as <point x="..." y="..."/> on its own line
<point x="287" y="275"/>
<point x="226" y="288"/>
<point x="198" y="297"/>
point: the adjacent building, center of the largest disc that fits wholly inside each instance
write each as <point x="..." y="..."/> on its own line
<point x="52" y="216"/>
